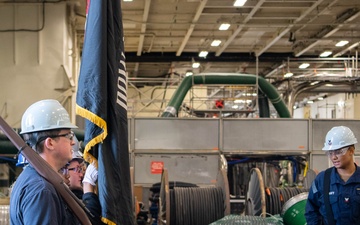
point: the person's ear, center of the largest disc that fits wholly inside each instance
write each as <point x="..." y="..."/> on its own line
<point x="49" y="143"/>
<point x="352" y="150"/>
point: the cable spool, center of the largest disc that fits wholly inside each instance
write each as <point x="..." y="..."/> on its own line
<point x="255" y="204"/>
<point x="164" y="199"/>
<point x="223" y="183"/>
<point x="294" y="209"/>
<point x="193" y="205"/>
<point x="261" y="201"/>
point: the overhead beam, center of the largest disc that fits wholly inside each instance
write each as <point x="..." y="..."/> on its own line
<point x="143" y="27"/>
<point x="239" y="29"/>
<point x="281" y="33"/>
<point x="330" y="30"/>
<point x="192" y="26"/>
<point x="189" y="56"/>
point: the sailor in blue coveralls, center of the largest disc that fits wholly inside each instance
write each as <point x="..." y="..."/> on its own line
<point x="46" y="127"/>
<point x="344" y="184"/>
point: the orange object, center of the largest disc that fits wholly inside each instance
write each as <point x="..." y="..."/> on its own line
<point x="268" y="191"/>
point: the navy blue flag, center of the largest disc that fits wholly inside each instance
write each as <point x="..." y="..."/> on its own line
<point x="101" y="99"/>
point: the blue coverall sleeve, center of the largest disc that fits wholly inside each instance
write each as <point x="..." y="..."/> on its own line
<point x="312" y="209"/>
<point x="92" y="202"/>
<point x="42" y="208"/>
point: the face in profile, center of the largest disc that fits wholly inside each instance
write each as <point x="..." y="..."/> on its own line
<point x="76" y="173"/>
<point x="65" y="175"/>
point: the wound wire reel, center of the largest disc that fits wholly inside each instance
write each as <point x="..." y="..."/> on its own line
<point x="193" y="205"/>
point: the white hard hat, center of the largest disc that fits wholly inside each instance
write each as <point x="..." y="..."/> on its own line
<point x="77" y="155"/>
<point x="45" y="115"/>
<point x="339" y="137"/>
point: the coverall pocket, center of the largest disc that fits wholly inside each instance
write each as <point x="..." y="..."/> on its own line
<point x="355" y="206"/>
<point x="334" y="202"/>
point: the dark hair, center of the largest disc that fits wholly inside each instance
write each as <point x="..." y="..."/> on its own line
<point x="36" y="139"/>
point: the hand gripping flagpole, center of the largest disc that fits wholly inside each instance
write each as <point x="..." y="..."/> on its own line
<point x="46" y="171"/>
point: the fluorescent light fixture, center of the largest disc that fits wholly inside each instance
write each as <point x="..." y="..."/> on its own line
<point x="288" y="74"/>
<point x="315" y="82"/>
<point x="329" y="85"/>
<point x="127" y="0"/>
<point x="239" y="2"/>
<point x="215" y="43"/>
<point x="341" y="43"/>
<point x="203" y="53"/>
<point x="239" y="101"/>
<point x="304" y="65"/>
<point x="189" y="74"/>
<point x="195" y="65"/>
<point x="224" y="26"/>
<point x="341" y="103"/>
<point x="310" y="102"/>
<point x="320" y="98"/>
<point x="325" y="54"/>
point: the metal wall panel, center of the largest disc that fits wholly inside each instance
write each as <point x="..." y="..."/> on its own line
<point x="186" y="146"/>
<point x="265" y="135"/>
<point x="319" y="161"/>
<point x="191" y="168"/>
<point x="321" y="127"/>
<point x="176" y="133"/>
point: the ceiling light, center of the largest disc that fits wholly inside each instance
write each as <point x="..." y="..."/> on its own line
<point x="195" y="65"/>
<point x="239" y="101"/>
<point x="215" y="43"/>
<point x="325" y="54"/>
<point x="320" y="98"/>
<point x="203" y="53"/>
<point x="341" y="43"/>
<point x="189" y="73"/>
<point x="304" y="65"/>
<point x="224" y="26"/>
<point x="310" y="102"/>
<point x="341" y="103"/>
<point x="239" y="2"/>
<point x="315" y="82"/>
<point x="127" y="0"/>
<point x="329" y="85"/>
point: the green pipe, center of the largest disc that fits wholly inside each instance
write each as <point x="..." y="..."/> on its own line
<point x="225" y="78"/>
<point x="263" y="101"/>
<point x="3" y="136"/>
<point x="7" y="148"/>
